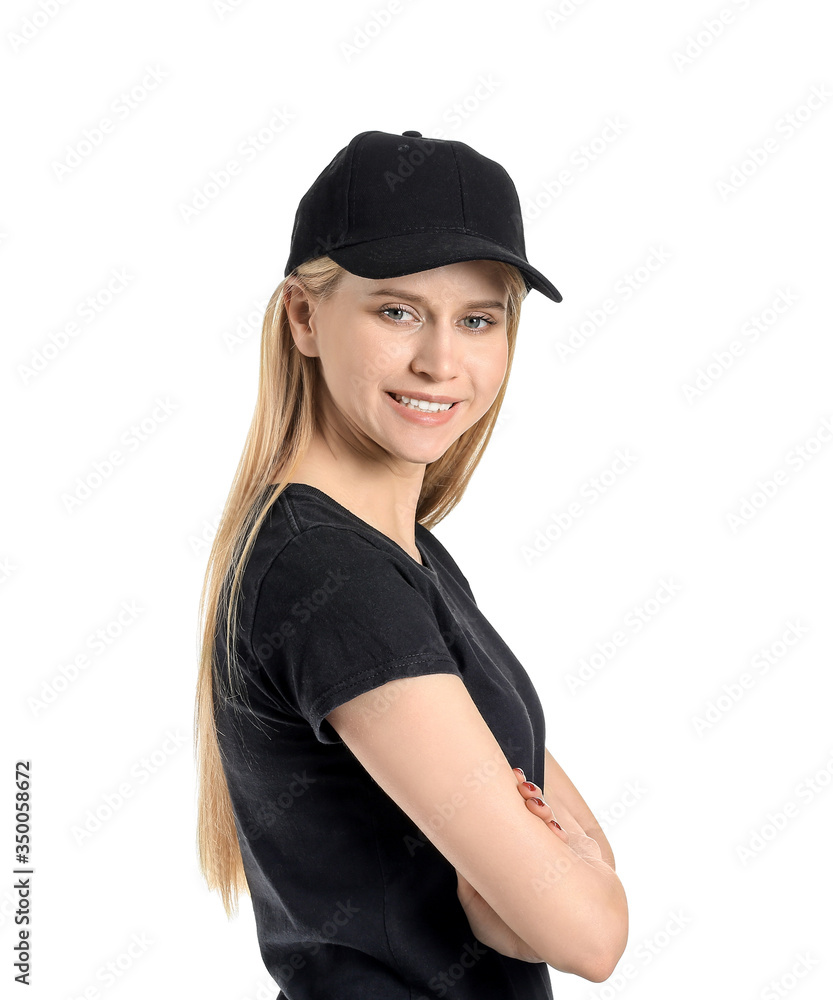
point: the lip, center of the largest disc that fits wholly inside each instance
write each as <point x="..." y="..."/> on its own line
<point x="419" y="417"/>
<point x="425" y="396"/>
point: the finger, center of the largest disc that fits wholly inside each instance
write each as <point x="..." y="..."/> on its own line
<point x="528" y="789"/>
<point x="543" y="812"/>
<point x="531" y="793"/>
<point x="560" y="833"/>
<point x="541" y="809"/>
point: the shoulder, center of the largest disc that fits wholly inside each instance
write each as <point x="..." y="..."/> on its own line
<point x="333" y="544"/>
<point x="309" y="523"/>
<point x="336" y="564"/>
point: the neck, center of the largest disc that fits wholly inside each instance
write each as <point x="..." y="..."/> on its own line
<point x="371" y="491"/>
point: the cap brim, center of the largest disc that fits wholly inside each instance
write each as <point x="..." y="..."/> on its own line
<point x="394" y="256"/>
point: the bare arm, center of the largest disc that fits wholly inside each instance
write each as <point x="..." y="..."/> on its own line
<point x="558" y="790"/>
<point x="487" y="925"/>
<point x="431" y="751"/>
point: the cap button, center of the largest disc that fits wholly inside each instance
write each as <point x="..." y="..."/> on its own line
<point x="417" y="135"/>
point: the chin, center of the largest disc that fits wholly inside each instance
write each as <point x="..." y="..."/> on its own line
<point x="422" y="456"/>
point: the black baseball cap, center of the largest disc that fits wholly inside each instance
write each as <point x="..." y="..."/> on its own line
<point x="389" y="204"/>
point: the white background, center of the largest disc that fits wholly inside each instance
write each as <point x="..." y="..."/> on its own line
<point x="682" y="802"/>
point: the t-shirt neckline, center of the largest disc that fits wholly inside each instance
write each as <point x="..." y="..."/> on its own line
<point x="305" y="487"/>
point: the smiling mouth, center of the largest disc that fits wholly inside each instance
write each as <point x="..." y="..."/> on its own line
<point x="421" y="405"/>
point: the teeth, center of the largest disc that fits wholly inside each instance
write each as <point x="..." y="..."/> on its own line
<point x="422" y="404"/>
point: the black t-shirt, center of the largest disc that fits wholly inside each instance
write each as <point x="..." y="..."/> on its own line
<point x="351" y="900"/>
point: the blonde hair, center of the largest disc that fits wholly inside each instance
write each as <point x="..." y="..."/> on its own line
<point x="280" y="433"/>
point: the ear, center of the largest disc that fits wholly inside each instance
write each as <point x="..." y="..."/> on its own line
<point x="299" y="307"/>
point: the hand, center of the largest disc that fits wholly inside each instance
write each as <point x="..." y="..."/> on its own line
<point x="569" y="831"/>
<point x="486" y="925"/>
<point x="538" y="807"/>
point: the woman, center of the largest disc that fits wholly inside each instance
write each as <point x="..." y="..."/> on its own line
<point x="364" y="733"/>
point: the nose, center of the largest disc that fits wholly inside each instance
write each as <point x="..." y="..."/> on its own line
<point x="438" y="350"/>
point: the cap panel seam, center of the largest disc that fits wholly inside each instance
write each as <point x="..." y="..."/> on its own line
<point x="352" y="167"/>
<point x="459" y="172"/>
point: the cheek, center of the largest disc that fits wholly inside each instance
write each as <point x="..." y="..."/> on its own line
<point x="375" y="356"/>
<point x="350" y="361"/>
<point x="491" y="370"/>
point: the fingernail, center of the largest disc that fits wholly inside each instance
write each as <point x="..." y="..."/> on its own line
<point x="520" y="772"/>
<point x="556" y="825"/>
<point x="539" y="801"/>
<point x="529" y="785"/>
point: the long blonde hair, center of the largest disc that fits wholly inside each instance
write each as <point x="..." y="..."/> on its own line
<point x="280" y="433"/>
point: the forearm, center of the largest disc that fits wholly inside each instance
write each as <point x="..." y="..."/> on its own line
<point x="584" y="884"/>
<point x="590" y="886"/>
<point x="595" y="832"/>
<point x="560" y="792"/>
<point x="580" y="910"/>
<point x="572" y="825"/>
<point x="523" y="951"/>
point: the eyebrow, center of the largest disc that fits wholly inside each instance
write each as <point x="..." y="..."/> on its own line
<point x="402" y="294"/>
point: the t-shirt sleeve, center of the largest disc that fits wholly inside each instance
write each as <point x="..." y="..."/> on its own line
<point x="337" y="616"/>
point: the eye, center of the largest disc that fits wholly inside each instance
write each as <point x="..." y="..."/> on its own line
<point x="396" y="309"/>
<point x="475" y="316"/>
<point x="486" y="320"/>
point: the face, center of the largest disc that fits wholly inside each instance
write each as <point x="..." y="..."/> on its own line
<point x="439" y="334"/>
